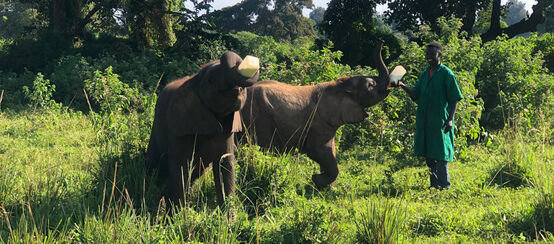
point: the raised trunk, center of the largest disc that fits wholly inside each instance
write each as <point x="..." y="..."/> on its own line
<point x="381" y="67"/>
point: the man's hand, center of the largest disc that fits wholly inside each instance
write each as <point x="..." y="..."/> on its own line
<point x="408" y="90"/>
<point x="447" y="125"/>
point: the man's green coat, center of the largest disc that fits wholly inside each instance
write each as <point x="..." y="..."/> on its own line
<point x="434" y="94"/>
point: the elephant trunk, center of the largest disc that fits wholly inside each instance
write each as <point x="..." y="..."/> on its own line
<point x="231" y="61"/>
<point x="384" y="80"/>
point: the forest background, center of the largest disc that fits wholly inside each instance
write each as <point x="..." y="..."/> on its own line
<point x="79" y="81"/>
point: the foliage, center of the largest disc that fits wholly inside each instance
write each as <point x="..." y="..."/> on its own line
<point x="511" y="81"/>
<point x="352" y="29"/>
<point x="544" y="45"/>
<point x="40" y="95"/>
<point x="515" y="12"/>
<point x="93" y="188"/>
<point x="110" y="94"/>
<point x="483" y="22"/>
<point x="483" y="16"/>
<point x="68" y="76"/>
<point x="548" y="25"/>
<point x="297" y="63"/>
<point x="35" y="54"/>
<point x="17" y="19"/>
<point x="410" y="14"/>
<point x="317" y="14"/>
<point x="150" y="24"/>
<point x="281" y="19"/>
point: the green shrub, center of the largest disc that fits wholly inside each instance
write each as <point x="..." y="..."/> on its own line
<point x="543" y="44"/>
<point x="296" y="63"/>
<point x="110" y="94"/>
<point x="35" y="54"/>
<point x="69" y="75"/>
<point x="40" y="95"/>
<point x="510" y="80"/>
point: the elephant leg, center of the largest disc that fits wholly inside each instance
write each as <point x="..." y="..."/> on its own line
<point x="224" y="168"/>
<point x="325" y="157"/>
<point x="152" y="154"/>
<point x="156" y="159"/>
<point x="178" y="168"/>
<point x="224" y="172"/>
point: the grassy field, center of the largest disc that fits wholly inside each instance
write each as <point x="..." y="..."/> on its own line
<point x="69" y="177"/>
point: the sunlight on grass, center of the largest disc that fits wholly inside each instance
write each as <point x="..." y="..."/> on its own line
<point x="59" y="184"/>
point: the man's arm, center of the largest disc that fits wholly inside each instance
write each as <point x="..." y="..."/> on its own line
<point x="451" y="110"/>
<point x="408" y="90"/>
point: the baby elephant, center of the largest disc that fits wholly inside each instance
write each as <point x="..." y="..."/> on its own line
<point x="283" y="116"/>
<point x="194" y="123"/>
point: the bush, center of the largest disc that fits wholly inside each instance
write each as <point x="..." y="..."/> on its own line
<point x="543" y="44"/>
<point x="110" y="94"/>
<point x="69" y="74"/>
<point x="35" y="54"/>
<point x="40" y="95"/>
<point x="297" y="63"/>
<point x="510" y="80"/>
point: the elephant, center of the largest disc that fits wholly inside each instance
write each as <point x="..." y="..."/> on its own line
<point x="195" y="119"/>
<point x="282" y="116"/>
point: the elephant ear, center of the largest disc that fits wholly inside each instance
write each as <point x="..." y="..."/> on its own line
<point x="187" y="115"/>
<point x="350" y="111"/>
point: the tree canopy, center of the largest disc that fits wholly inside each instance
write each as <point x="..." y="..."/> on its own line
<point x="409" y="14"/>
<point x="350" y="25"/>
<point x="317" y="14"/>
<point x="281" y="19"/>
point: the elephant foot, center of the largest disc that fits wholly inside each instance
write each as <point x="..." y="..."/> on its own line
<point x="321" y="181"/>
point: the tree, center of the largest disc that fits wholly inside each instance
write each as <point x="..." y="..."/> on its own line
<point x="150" y="22"/>
<point x="409" y="14"/>
<point x="17" y="19"/>
<point x="515" y="12"/>
<point x="525" y="25"/>
<point x="317" y="14"/>
<point x="350" y="25"/>
<point x="281" y="19"/>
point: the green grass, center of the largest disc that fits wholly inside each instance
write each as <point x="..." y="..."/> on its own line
<point x="69" y="177"/>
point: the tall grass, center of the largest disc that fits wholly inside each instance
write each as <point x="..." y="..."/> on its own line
<point x="69" y="177"/>
<point x="381" y="221"/>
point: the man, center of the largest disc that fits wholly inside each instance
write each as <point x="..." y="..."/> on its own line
<point x="437" y="95"/>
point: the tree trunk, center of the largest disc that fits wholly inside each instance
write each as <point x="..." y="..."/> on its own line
<point x="80" y="27"/>
<point x="469" y="18"/>
<point x="59" y="14"/>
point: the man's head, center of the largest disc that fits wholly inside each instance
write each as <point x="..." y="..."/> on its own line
<point x="433" y="53"/>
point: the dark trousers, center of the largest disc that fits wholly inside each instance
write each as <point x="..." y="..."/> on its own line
<point x="438" y="173"/>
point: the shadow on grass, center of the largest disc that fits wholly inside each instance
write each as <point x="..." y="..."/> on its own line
<point x="536" y="224"/>
<point x="510" y="174"/>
